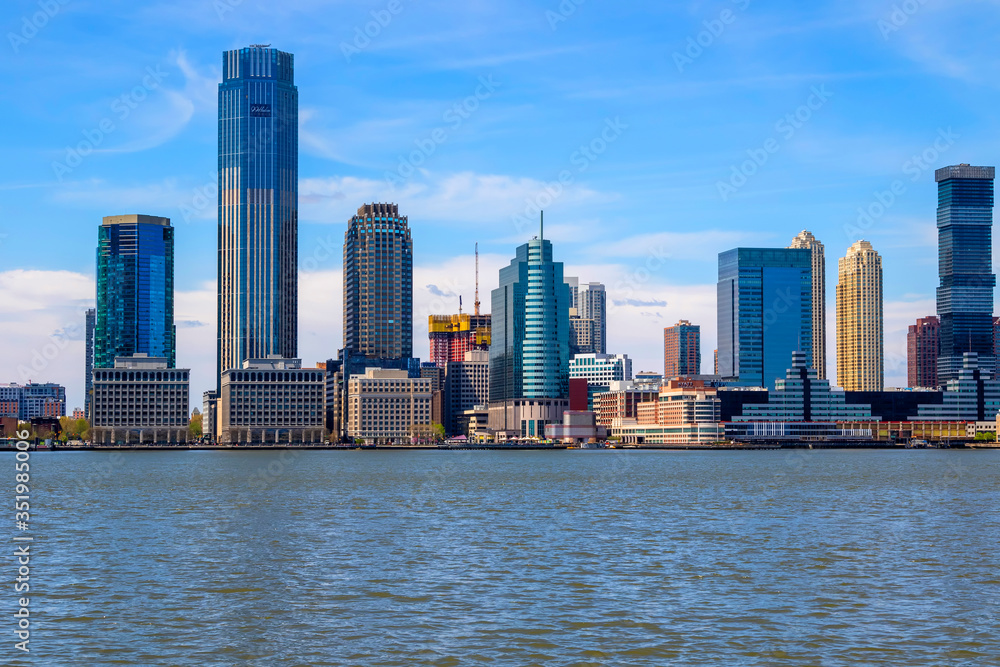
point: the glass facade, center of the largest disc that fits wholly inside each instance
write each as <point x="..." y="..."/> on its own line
<point x="529" y="350"/>
<point x="965" y="266"/>
<point x="378" y="283"/>
<point x="258" y="206"/>
<point x="764" y="312"/>
<point x="135" y="289"/>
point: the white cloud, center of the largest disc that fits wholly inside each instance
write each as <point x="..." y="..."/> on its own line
<point x="702" y="245"/>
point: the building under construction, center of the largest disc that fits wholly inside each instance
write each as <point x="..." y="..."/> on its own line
<point x="453" y="335"/>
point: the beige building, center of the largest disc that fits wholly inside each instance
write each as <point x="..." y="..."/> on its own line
<point x="806" y="240"/>
<point x="140" y="401"/>
<point x="684" y="411"/>
<point x="860" y="351"/>
<point x="272" y="400"/>
<point x="386" y="407"/>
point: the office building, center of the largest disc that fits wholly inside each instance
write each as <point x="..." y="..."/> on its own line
<point x="681" y="350"/>
<point x="973" y="396"/>
<point x="800" y="406"/>
<point x="806" y="240"/>
<point x="592" y="304"/>
<point x="764" y="312"/>
<point x="923" y="347"/>
<point x="272" y="400"/>
<point x="467" y="384"/>
<point x="578" y="426"/>
<point x="965" y="266"/>
<point x="258" y="207"/>
<point x="378" y="283"/>
<point x="387" y="407"/>
<point x="600" y="370"/>
<point x="140" y="400"/>
<point x="860" y="353"/>
<point x="684" y="411"/>
<point x="582" y="338"/>
<point x="88" y="361"/>
<point x="210" y="415"/>
<point x="33" y="401"/>
<point x="529" y="348"/>
<point x="135" y="289"/>
<point x="618" y="403"/>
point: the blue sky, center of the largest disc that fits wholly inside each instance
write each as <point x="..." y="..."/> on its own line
<point x="468" y="115"/>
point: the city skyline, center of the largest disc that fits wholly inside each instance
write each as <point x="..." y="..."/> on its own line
<point x="604" y="230"/>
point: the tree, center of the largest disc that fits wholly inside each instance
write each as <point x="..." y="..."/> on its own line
<point x="438" y="431"/>
<point x="194" y="427"/>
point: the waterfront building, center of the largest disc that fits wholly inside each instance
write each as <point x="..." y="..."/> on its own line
<point x="140" y="400"/>
<point x="474" y="423"/>
<point x="258" y="170"/>
<point x="340" y="369"/>
<point x="923" y="347"/>
<point x="467" y="384"/>
<point x="684" y="411"/>
<point x="894" y="405"/>
<point x="88" y="360"/>
<point x="764" y="312"/>
<point x="801" y="406"/>
<point x="973" y="396"/>
<point x="272" y="400"/>
<point x="387" y="407"/>
<point x="529" y="347"/>
<point x="451" y="336"/>
<point x="618" y="403"/>
<point x="210" y="415"/>
<point x="578" y="426"/>
<point x="135" y="289"/>
<point x="33" y="401"/>
<point x="806" y="240"/>
<point x="600" y="370"/>
<point x="860" y="353"/>
<point x="378" y="283"/>
<point x="681" y="350"/>
<point x="906" y="431"/>
<point x="965" y="266"/>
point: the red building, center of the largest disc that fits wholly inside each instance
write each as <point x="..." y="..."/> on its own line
<point x="452" y="336"/>
<point x="923" y="345"/>
<point x="681" y="350"/>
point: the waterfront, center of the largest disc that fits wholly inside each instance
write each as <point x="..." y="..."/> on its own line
<point x="614" y="557"/>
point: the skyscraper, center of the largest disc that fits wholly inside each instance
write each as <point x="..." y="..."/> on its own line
<point x="806" y="240"/>
<point x="923" y="347"/>
<point x="965" y="297"/>
<point x="764" y="312"/>
<point x="860" y="353"/>
<point x="135" y="289"/>
<point x="592" y="305"/>
<point x="529" y="351"/>
<point x="88" y="362"/>
<point x="258" y="207"/>
<point x="681" y="350"/>
<point x="529" y="347"/>
<point x="378" y="283"/>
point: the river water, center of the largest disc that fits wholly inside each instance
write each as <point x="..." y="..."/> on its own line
<point x="610" y="557"/>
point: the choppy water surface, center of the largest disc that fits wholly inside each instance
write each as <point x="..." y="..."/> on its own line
<point x="514" y="558"/>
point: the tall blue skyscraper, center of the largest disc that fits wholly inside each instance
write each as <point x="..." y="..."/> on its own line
<point x="529" y="350"/>
<point x="258" y="206"/>
<point x="135" y="289"/>
<point x="764" y="312"/>
<point x="965" y="266"/>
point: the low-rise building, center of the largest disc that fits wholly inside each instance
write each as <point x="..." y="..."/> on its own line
<point x="140" y="401"/>
<point x="620" y="402"/>
<point x="387" y="407"/>
<point x="272" y="400"/>
<point x="474" y="423"/>
<point x="973" y="396"/>
<point x="685" y="411"/>
<point x="525" y="418"/>
<point x="210" y="415"/>
<point x="599" y="370"/>
<point x="28" y="401"/>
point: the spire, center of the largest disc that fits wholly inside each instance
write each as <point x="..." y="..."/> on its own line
<point x="477" y="279"/>
<point x="541" y="230"/>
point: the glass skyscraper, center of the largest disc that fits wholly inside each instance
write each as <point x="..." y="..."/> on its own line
<point x="965" y="266"/>
<point x="529" y="350"/>
<point x="135" y="289"/>
<point x="764" y="312"/>
<point x="258" y="206"/>
<point x="378" y="284"/>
